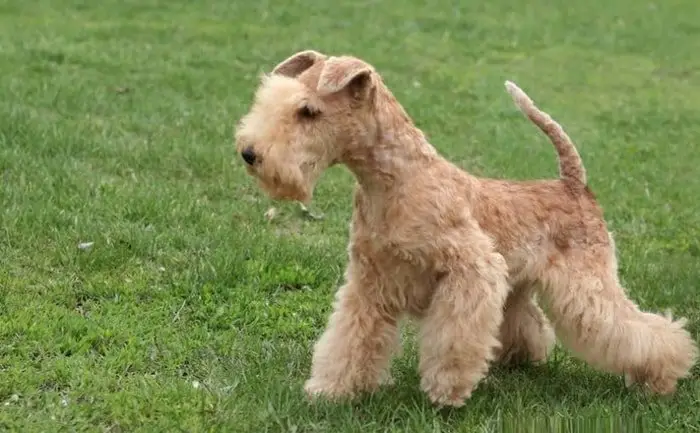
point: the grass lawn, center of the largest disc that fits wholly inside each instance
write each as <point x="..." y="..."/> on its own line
<point x="191" y="312"/>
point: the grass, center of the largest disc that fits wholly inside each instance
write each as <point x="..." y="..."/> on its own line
<point x="191" y="312"/>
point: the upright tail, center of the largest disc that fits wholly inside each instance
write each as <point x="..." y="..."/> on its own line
<point x="571" y="168"/>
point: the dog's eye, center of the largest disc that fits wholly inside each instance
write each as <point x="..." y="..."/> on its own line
<point x="307" y="112"/>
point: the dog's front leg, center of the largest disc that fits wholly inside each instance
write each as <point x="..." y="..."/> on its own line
<point x="354" y="351"/>
<point x="459" y="333"/>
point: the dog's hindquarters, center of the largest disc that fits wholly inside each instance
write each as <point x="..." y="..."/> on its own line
<point x="571" y="168"/>
<point x="598" y="322"/>
<point x="526" y="334"/>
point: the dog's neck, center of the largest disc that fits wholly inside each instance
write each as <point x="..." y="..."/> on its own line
<point x="393" y="153"/>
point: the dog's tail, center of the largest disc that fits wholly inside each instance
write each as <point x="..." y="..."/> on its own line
<point x="571" y="168"/>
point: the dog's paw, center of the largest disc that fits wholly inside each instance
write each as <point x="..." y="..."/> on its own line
<point x="654" y="385"/>
<point x="448" y="398"/>
<point x="446" y="394"/>
<point x="316" y="389"/>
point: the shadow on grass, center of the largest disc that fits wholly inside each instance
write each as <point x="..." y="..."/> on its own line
<point x="524" y="398"/>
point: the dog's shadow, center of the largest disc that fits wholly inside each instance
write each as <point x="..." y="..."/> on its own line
<point x="563" y="389"/>
<point x="530" y="391"/>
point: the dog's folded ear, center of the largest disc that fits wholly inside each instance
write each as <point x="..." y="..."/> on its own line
<point x="346" y="73"/>
<point x="298" y="63"/>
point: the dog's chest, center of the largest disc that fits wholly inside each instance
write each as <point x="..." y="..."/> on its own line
<point x="404" y="279"/>
<point x="382" y="233"/>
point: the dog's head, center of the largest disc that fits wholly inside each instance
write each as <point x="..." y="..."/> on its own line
<point x="305" y="115"/>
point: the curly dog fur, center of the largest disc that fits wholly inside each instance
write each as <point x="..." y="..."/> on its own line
<point x="465" y="256"/>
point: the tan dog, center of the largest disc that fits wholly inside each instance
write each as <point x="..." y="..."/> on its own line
<point x="465" y="256"/>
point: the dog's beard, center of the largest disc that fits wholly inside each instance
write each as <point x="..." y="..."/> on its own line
<point x="285" y="179"/>
<point x="286" y="191"/>
<point x="285" y="183"/>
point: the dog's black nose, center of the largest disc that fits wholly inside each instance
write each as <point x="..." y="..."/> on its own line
<point x="248" y="155"/>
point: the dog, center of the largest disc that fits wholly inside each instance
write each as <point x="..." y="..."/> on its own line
<point x="468" y="258"/>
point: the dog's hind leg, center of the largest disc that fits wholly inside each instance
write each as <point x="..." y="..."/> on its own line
<point x="526" y="334"/>
<point x="600" y="324"/>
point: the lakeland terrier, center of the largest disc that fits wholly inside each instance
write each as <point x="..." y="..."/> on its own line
<point x="467" y="257"/>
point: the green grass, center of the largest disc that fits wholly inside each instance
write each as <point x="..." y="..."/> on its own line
<point x="191" y="312"/>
